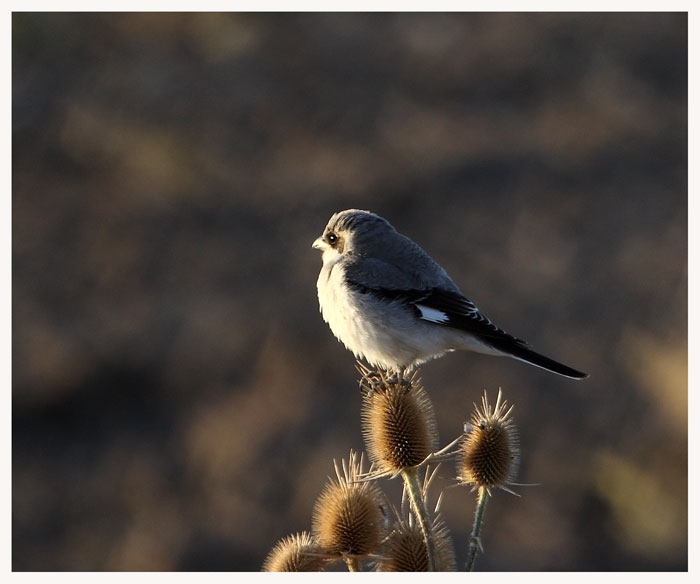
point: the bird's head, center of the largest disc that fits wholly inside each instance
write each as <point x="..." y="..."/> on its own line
<point x="351" y="232"/>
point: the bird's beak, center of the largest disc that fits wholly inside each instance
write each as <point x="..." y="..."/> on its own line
<point x="319" y="244"/>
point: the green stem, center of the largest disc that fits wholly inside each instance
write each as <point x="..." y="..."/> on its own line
<point x="478" y="518"/>
<point x="415" y="496"/>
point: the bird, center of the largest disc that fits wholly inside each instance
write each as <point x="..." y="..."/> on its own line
<point x="395" y="307"/>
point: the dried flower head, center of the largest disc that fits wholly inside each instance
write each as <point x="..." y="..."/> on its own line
<point x="404" y="548"/>
<point x="398" y="421"/>
<point x="347" y="517"/>
<point x="296" y="553"/>
<point x="490" y="452"/>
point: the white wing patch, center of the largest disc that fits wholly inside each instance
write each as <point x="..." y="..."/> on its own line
<point x="432" y="315"/>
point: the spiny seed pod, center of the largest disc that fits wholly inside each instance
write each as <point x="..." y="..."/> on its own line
<point x="404" y="548"/>
<point x="347" y="517"/>
<point x="490" y="452"/>
<point x="398" y="422"/>
<point x="296" y="553"/>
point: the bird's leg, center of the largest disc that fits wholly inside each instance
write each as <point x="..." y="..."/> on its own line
<point x="375" y="379"/>
<point x="371" y="379"/>
<point x="398" y="377"/>
<point x="392" y="377"/>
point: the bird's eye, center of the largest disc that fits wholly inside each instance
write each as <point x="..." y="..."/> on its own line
<point x="331" y="238"/>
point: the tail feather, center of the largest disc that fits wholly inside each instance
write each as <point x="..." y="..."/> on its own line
<point x="519" y="351"/>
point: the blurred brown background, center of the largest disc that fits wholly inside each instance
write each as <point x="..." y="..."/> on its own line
<point x="177" y="400"/>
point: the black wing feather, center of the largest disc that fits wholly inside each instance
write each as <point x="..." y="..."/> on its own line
<point x="461" y="313"/>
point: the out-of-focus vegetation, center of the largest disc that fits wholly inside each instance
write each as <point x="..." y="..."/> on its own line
<point x="177" y="401"/>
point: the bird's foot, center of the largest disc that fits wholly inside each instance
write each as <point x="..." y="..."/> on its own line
<point x="398" y="378"/>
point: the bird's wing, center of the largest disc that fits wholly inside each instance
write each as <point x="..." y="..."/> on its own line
<point x="451" y="309"/>
<point x="433" y="303"/>
<point x="454" y="310"/>
<point x="448" y="308"/>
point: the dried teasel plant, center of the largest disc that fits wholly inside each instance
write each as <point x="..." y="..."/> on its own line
<point x="351" y="522"/>
<point x="490" y="451"/>
<point x="404" y="549"/>
<point x="400" y="433"/>
<point x="296" y="553"/>
<point x="398" y="421"/>
<point x="348" y="519"/>
<point x="488" y="458"/>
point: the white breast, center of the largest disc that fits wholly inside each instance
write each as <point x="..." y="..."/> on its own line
<point x="385" y="333"/>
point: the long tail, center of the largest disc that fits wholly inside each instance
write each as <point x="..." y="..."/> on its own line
<point x="519" y="351"/>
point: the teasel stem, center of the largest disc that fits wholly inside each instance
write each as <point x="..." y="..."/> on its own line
<point x="474" y="540"/>
<point x="353" y="564"/>
<point x="415" y="496"/>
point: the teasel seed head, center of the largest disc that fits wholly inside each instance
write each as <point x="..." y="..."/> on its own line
<point x="398" y="421"/>
<point x="404" y="548"/>
<point x="296" y="553"/>
<point x="348" y="519"/>
<point x="490" y="451"/>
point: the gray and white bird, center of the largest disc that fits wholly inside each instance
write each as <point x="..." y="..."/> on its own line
<point x="392" y="305"/>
